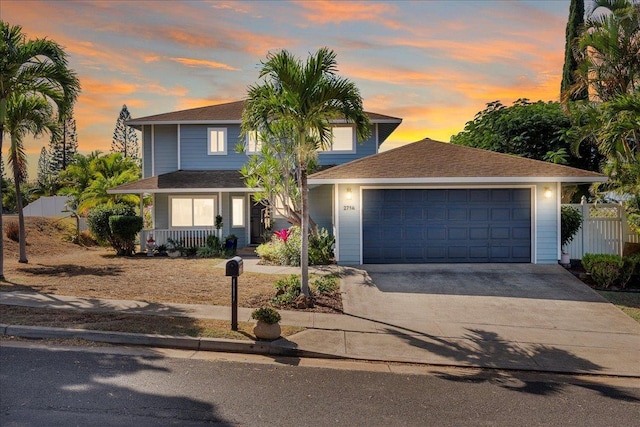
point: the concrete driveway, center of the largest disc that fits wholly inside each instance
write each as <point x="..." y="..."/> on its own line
<point x="500" y="315"/>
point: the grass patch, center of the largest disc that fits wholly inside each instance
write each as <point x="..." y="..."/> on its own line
<point x="134" y="323"/>
<point x="628" y="302"/>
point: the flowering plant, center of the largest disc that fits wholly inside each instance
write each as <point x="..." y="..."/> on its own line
<point x="150" y="240"/>
<point x="283" y="234"/>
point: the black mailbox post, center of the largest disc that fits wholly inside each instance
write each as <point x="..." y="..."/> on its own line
<point x="234" y="269"/>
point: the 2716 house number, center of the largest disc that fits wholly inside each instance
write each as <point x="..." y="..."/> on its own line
<point x="349" y="208"/>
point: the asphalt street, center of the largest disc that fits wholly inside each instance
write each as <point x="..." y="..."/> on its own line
<point x="68" y="386"/>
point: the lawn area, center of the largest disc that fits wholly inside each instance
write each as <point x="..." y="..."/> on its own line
<point x="628" y="302"/>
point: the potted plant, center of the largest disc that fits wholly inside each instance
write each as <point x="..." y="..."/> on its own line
<point x="173" y="248"/>
<point x="162" y="250"/>
<point x="151" y="245"/>
<point x="570" y="223"/>
<point x="267" y="326"/>
<point x="231" y="242"/>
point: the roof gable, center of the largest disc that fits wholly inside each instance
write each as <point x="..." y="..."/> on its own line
<point x="433" y="161"/>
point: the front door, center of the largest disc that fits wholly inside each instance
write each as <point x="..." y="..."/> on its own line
<point x="258" y="217"/>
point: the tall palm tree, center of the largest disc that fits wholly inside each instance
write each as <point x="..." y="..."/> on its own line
<point x="304" y="97"/>
<point x="37" y="67"/>
<point x="26" y="114"/>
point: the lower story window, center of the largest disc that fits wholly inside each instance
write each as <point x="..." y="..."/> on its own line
<point x="192" y="211"/>
<point x="237" y="211"/>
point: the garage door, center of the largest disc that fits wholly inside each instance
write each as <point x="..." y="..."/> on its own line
<point x="423" y="226"/>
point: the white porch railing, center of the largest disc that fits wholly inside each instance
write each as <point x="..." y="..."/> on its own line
<point x="604" y="230"/>
<point x="187" y="237"/>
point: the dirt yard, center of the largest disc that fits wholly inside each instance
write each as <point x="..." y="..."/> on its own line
<point x="58" y="266"/>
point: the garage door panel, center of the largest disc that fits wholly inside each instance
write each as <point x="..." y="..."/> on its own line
<point x="461" y="225"/>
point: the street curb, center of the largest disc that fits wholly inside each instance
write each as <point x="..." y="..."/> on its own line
<point x="166" y="341"/>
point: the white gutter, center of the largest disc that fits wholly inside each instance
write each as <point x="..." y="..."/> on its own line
<point x="455" y="180"/>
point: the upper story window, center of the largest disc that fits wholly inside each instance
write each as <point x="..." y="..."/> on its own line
<point x="343" y="140"/>
<point x="217" y="141"/>
<point x="254" y="143"/>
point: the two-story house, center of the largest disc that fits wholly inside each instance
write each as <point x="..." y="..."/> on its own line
<point x="190" y="165"/>
<point x="424" y="202"/>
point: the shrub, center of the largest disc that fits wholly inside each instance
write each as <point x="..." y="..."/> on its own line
<point x="266" y="314"/>
<point x="124" y="229"/>
<point x="12" y="231"/>
<point x="570" y="222"/>
<point x="321" y="247"/>
<point x="98" y="220"/>
<point x="326" y="284"/>
<point x="284" y="248"/>
<point x="607" y="270"/>
<point x="287" y="289"/>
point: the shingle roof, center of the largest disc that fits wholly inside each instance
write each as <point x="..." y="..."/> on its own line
<point x="432" y="161"/>
<point x="195" y="181"/>
<point x="229" y="112"/>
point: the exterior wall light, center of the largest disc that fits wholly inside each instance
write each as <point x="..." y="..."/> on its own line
<point x="548" y="192"/>
<point x="349" y="194"/>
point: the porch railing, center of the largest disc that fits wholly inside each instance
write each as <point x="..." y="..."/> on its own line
<point x="187" y="237"/>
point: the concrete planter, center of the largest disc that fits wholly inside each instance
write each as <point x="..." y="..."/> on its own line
<point x="266" y="331"/>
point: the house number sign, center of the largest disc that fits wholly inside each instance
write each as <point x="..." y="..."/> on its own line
<point x="349" y="208"/>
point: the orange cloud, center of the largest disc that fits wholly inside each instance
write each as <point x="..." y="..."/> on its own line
<point x="192" y="62"/>
<point x="336" y="12"/>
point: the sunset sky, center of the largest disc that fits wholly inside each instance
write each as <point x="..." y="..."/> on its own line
<point x="433" y="63"/>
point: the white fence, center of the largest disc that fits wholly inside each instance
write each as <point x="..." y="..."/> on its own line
<point x="604" y="230"/>
<point x="188" y="238"/>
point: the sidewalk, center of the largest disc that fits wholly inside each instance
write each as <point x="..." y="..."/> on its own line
<point x="439" y="338"/>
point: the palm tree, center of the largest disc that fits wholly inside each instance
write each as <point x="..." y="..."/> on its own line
<point x="609" y="50"/>
<point x="25" y="114"/>
<point x="305" y="98"/>
<point x="77" y="177"/>
<point x="37" y="67"/>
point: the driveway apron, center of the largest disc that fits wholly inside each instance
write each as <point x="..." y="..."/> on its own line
<point x="497" y="315"/>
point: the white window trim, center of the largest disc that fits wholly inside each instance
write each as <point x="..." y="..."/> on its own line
<point x="248" y="143"/>
<point x="244" y="216"/>
<point x="225" y="142"/>
<point x="186" y="227"/>
<point x="353" y="142"/>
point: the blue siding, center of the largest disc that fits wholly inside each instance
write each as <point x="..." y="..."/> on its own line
<point x="547" y="239"/>
<point x="366" y="148"/>
<point x="348" y="231"/>
<point x="194" y="154"/>
<point x="321" y="206"/>
<point x="161" y="211"/>
<point x="146" y="151"/>
<point x="165" y="149"/>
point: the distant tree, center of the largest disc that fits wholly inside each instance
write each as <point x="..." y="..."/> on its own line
<point x="538" y="130"/>
<point x="64" y="145"/>
<point x="574" y="28"/>
<point x="125" y="138"/>
<point x="46" y="184"/>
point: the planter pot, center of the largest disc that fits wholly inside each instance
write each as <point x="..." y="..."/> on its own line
<point x="266" y="331"/>
<point x="565" y="259"/>
<point x="173" y="254"/>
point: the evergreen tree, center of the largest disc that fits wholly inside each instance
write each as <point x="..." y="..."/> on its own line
<point x="44" y="164"/>
<point x="574" y="27"/>
<point x="125" y="138"/>
<point x="63" y="146"/>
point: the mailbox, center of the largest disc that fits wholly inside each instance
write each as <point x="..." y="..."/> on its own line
<point x="234" y="267"/>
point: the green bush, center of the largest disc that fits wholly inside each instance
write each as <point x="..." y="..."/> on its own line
<point x="98" y="220"/>
<point x="326" y="284"/>
<point x="287" y="289"/>
<point x="607" y="270"/>
<point x="124" y="229"/>
<point x="266" y="314"/>
<point x="570" y="222"/>
<point x="286" y="251"/>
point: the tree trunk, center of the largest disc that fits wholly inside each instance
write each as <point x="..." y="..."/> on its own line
<point x="304" y="246"/>
<point x="3" y="104"/>
<point x="17" y="178"/>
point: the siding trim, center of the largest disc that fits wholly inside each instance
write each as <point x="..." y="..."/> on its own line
<point x="179" y="162"/>
<point x="459" y="180"/>
<point x="336" y="222"/>
<point x="532" y="189"/>
<point x="153" y="143"/>
<point x="142" y="153"/>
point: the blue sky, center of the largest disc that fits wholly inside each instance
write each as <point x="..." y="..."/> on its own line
<point x="433" y="63"/>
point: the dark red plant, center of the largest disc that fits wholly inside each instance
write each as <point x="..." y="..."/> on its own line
<point x="283" y="234"/>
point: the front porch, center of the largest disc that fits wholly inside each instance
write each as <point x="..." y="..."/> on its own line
<point x="189" y="237"/>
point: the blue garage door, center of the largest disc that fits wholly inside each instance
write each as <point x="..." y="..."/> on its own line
<point x="429" y="226"/>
